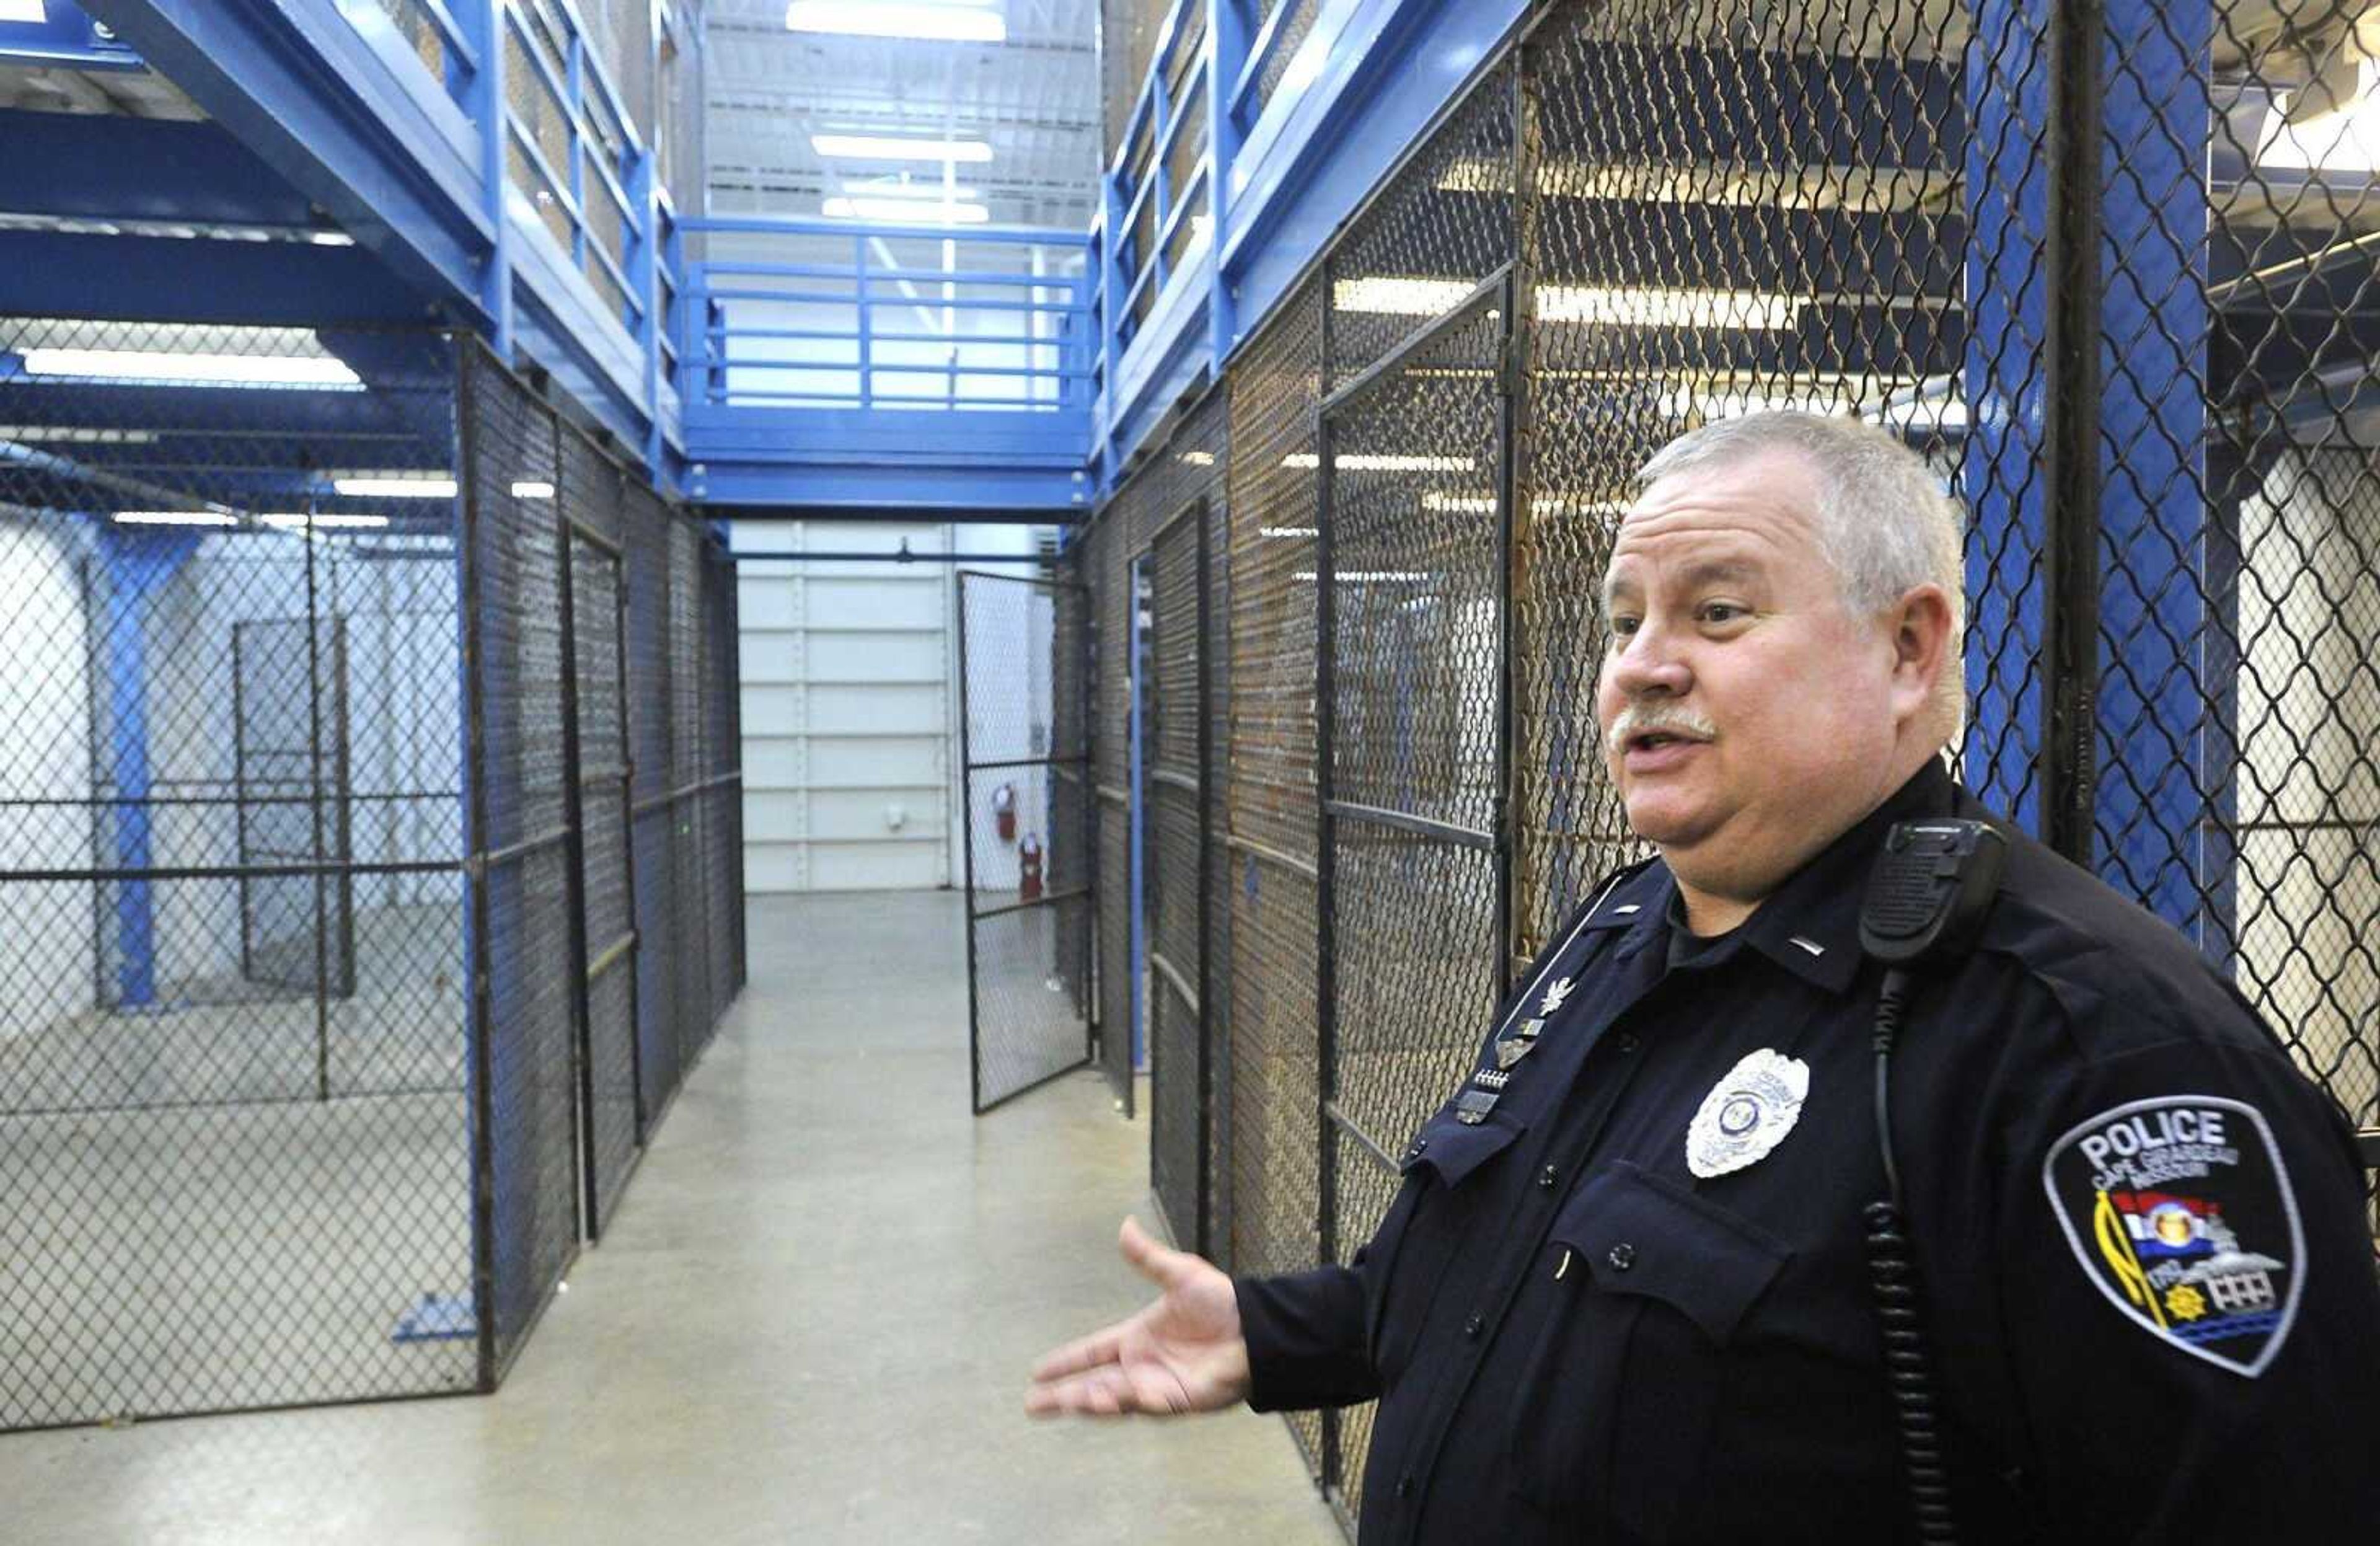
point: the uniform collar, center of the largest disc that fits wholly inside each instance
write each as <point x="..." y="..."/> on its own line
<point x="1810" y="925"/>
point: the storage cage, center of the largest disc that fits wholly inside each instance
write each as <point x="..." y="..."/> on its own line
<point x="2109" y="268"/>
<point x="329" y="1027"/>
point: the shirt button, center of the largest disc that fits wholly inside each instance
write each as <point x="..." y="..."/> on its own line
<point x="1405" y="1485"/>
<point x="1474" y="1326"/>
<point x="1626" y="1041"/>
<point x="1623" y="1257"/>
<point x="1548" y="1176"/>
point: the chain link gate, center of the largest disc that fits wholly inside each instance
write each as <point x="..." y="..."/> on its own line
<point x="1175" y="740"/>
<point x="1024" y="762"/>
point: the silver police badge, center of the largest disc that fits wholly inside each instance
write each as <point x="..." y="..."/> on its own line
<point x="1747" y="1113"/>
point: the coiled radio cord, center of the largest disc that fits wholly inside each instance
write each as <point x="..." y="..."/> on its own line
<point x="1892" y="1273"/>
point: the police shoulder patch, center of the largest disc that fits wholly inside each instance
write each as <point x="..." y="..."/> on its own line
<point x="2181" y="1212"/>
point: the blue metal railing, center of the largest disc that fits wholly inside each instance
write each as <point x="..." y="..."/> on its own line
<point x="826" y="313"/>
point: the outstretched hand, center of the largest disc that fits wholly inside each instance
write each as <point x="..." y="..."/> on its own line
<point x="1184" y="1353"/>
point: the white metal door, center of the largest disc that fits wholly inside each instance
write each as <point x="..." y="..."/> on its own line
<point x="846" y="709"/>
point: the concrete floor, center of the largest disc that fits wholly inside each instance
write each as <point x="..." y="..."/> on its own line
<point x="811" y="1321"/>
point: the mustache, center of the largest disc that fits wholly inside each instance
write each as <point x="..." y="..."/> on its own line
<point x="1643" y="719"/>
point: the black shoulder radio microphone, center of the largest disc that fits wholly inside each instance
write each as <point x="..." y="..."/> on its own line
<point x="1925" y="904"/>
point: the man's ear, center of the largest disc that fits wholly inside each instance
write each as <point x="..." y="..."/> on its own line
<point x="1921" y="639"/>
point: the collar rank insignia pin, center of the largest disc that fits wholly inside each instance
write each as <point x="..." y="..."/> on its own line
<point x="1747" y="1113"/>
<point x="1554" y="996"/>
<point x="1530" y="1029"/>
<point x="1511" y="1049"/>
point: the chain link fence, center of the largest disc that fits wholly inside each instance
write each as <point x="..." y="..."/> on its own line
<point x="2110" y="269"/>
<point x="316" y="1045"/>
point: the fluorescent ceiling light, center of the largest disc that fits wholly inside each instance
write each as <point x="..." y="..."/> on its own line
<point x="2346" y="138"/>
<point x="1401" y="298"/>
<point x="903" y="212"/>
<point x="22" y="11"/>
<point x="1629" y="307"/>
<point x="173" y="517"/>
<point x="1361" y="462"/>
<point x="880" y="147"/>
<point x="1198" y="458"/>
<point x="211" y="370"/>
<point x="1467" y="504"/>
<point x="1606" y="306"/>
<point x="1288" y="532"/>
<point x="394" y="488"/>
<point x="533" y="490"/>
<point x="331" y="239"/>
<point x="324" y="521"/>
<point x="885" y="188"/>
<point x="51" y="434"/>
<point x="888" y="18"/>
<point x="1347" y="577"/>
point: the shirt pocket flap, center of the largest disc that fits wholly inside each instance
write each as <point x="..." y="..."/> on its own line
<point x="1636" y="1233"/>
<point x="1453" y="1150"/>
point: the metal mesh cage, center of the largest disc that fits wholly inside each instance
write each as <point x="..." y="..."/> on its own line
<point x="1028" y="900"/>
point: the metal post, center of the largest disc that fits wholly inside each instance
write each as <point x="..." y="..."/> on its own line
<point x="1326" y="864"/>
<point x="966" y="832"/>
<point x="1509" y="349"/>
<point x="574" y="808"/>
<point x="1227" y="52"/>
<point x="1136" y="862"/>
<point x="483" y="1179"/>
<point x="644" y="1117"/>
<point x="314" y="791"/>
<point x="1206" y="721"/>
<point x="2070" y="556"/>
<point x="486" y="105"/>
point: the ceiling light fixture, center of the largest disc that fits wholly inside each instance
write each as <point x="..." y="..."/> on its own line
<point x="533" y="490"/>
<point x="878" y="19"/>
<point x="2346" y="138"/>
<point x="880" y="147"/>
<point x="322" y="373"/>
<point x="172" y="517"/>
<point x="324" y="521"/>
<point x="904" y="212"/>
<point x="383" y="487"/>
<point x="1608" y="306"/>
<point x="1367" y="462"/>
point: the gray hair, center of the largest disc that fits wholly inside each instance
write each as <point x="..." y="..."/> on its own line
<point x="1885" y="523"/>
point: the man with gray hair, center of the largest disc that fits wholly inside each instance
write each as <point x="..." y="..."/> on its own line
<point x="1655" y="1271"/>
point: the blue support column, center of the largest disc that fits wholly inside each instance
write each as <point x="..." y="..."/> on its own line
<point x="1227" y="52"/>
<point x="2006" y="386"/>
<point x="484" y="103"/>
<point x="135" y="564"/>
<point x="2155" y="699"/>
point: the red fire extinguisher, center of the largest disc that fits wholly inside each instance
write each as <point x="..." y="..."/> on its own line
<point x="1003" y="812"/>
<point x="1028" y="869"/>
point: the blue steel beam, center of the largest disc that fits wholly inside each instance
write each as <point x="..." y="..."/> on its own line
<point x="299" y="84"/>
<point x="94" y="166"/>
<point x="136" y="278"/>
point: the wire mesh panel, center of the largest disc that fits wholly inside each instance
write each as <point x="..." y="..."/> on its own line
<point x="2237" y="543"/>
<point x="653" y="832"/>
<point x="527" y="1014"/>
<point x="1176" y="849"/>
<point x="1072" y="866"/>
<point x="1413" y="608"/>
<point x="233" y="1109"/>
<point x="1265" y="633"/>
<point x="1107" y="573"/>
<point x="1025" y="1023"/>
<point x="607" y="930"/>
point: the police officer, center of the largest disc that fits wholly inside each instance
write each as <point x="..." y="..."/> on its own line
<point x="1624" y="1293"/>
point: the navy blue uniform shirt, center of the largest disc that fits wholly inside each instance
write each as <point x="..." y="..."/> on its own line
<point x="2148" y="1267"/>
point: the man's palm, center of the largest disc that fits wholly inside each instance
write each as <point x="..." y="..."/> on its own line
<point x="1182" y="1354"/>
